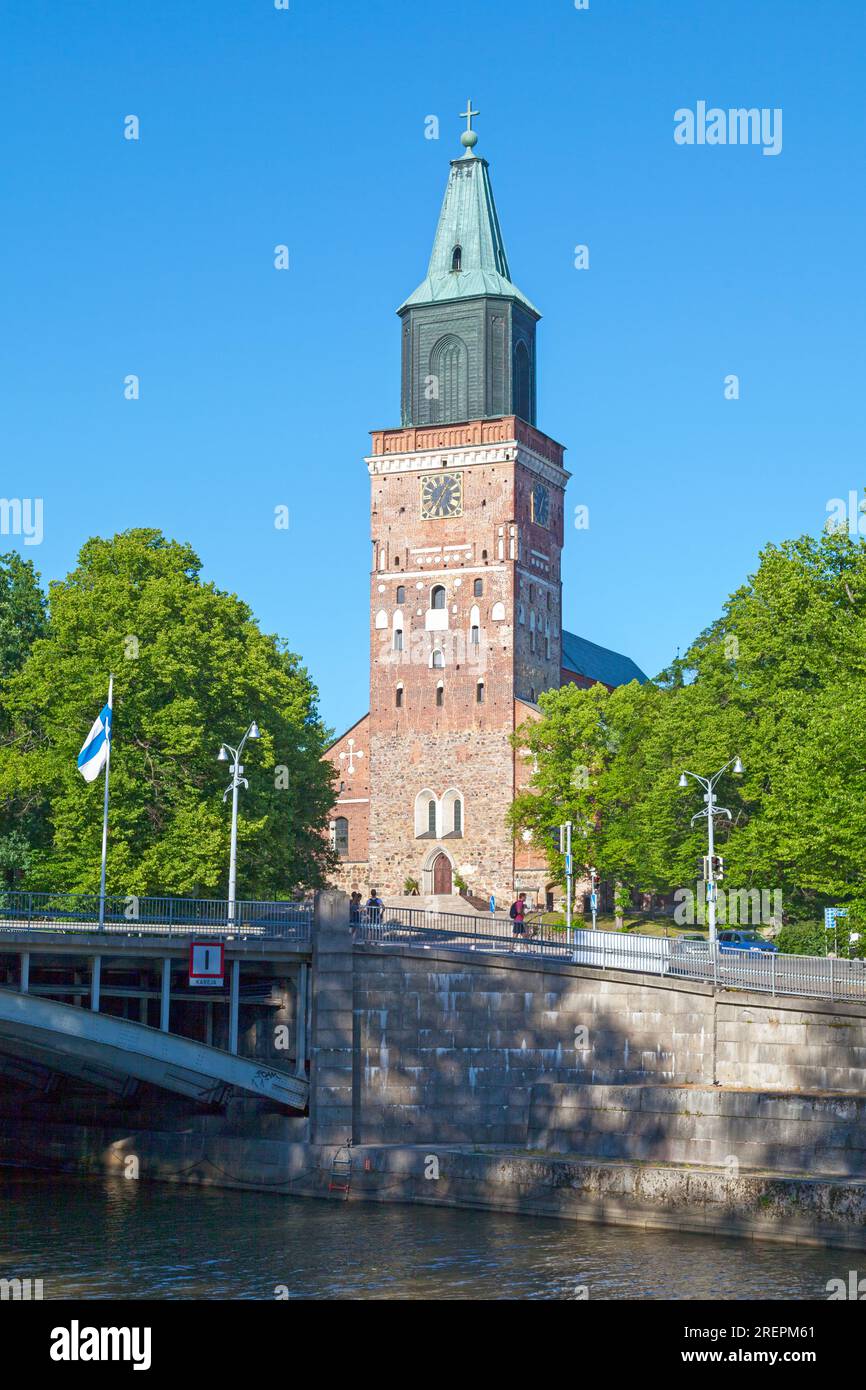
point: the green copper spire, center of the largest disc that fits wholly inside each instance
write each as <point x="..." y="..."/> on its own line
<point x="468" y="257"/>
<point x="468" y="331"/>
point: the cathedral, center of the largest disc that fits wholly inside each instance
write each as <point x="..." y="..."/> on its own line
<point x="467" y="524"/>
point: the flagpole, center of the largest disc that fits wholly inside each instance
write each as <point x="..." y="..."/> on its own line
<point x="105" y="814"/>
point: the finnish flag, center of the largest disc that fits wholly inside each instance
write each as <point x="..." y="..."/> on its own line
<point x="94" y="754"/>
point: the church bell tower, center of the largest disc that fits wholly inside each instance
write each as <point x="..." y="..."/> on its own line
<point x="467" y="502"/>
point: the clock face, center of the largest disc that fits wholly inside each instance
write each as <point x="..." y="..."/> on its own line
<point x="441" y="495"/>
<point x="540" y="505"/>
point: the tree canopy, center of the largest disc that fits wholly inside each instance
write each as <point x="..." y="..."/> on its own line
<point x="777" y="679"/>
<point x="191" y="670"/>
<point x="23" y="618"/>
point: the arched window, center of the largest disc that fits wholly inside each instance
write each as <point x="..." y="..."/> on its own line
<point x="341" y="837"/>
<point x="425" y="814"/>
<point x="449" y="369"/>
<point x="479" y="693"/>
<point x="484" y="554"/>
<point x="478" y="588"/>
<point x="398" y="639"/>
<point x="398" y="699"/>
<point x="440" y="695"/>
<point x="457" y="258"/>
<point x="522" y="383"/>
<point x="381" y="618"/>
<point x="437" y="660"/>
<point x="437" y="596"/>
<point x="401" y="593"/>
<point x="452" y="813"/>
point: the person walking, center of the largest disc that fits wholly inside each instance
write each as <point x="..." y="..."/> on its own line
<point x="517" y="913"/>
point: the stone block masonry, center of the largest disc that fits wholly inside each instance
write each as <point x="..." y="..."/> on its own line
<point x="332" y="1048"/>
<point x="731" y="1130"/>
<point x="449" y="1045"/>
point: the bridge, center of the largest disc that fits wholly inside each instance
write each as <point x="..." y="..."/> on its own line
<point x="40" y="1037"/>
<point x="115" y="1007"/>
<point x="413" y="1031"/>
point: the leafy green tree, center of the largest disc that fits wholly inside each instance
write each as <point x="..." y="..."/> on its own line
<point x="191" y="669"/>
<point x="777" y="679"/>
<point x="804" y="939"/>
<point x="23" y="618"/>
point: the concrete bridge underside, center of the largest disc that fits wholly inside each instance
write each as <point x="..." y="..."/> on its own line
<point x="41" y="1037"/>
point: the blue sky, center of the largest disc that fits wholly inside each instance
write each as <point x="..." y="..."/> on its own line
<point x="306" y="127"/>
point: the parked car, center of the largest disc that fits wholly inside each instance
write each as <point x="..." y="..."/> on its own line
<point x="745" y="941"/>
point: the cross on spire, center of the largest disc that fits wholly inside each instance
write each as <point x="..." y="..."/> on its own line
<point x="469" y="113"/>
<point x="469" y="137"/>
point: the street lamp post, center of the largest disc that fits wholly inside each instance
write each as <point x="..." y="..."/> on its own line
<point x="226" y="754"/>
<point x="565" y="848"/>
<point x="711" y="810"/>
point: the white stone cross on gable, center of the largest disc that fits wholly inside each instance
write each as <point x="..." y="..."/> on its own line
<point x="352" y="755"/>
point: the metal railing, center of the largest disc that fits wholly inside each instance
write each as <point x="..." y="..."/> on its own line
<point x="814" y="977"/>
<point x="459" y="930"/>
<point x="158" y="916"/>
<point x="770" y="972"/>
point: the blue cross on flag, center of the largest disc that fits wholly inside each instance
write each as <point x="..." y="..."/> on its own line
<point x="94" y="754"/>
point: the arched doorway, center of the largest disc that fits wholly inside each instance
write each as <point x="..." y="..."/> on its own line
<point x="442" y="882"/>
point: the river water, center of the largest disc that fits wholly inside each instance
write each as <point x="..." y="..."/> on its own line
<point x="109" y="1238"/>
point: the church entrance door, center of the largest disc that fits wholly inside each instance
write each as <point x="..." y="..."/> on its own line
<point x="442" y="874"/>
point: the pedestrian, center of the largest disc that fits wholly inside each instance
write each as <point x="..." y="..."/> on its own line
<point x="374" y="907"/>
<point x="517" y="913"/>
<point x="355" y="907"/>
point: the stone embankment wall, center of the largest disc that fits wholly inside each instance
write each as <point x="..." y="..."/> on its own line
<point x="429" y="1044"/>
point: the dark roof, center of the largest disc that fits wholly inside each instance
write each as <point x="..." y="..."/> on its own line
<point x="598" y="663"/>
